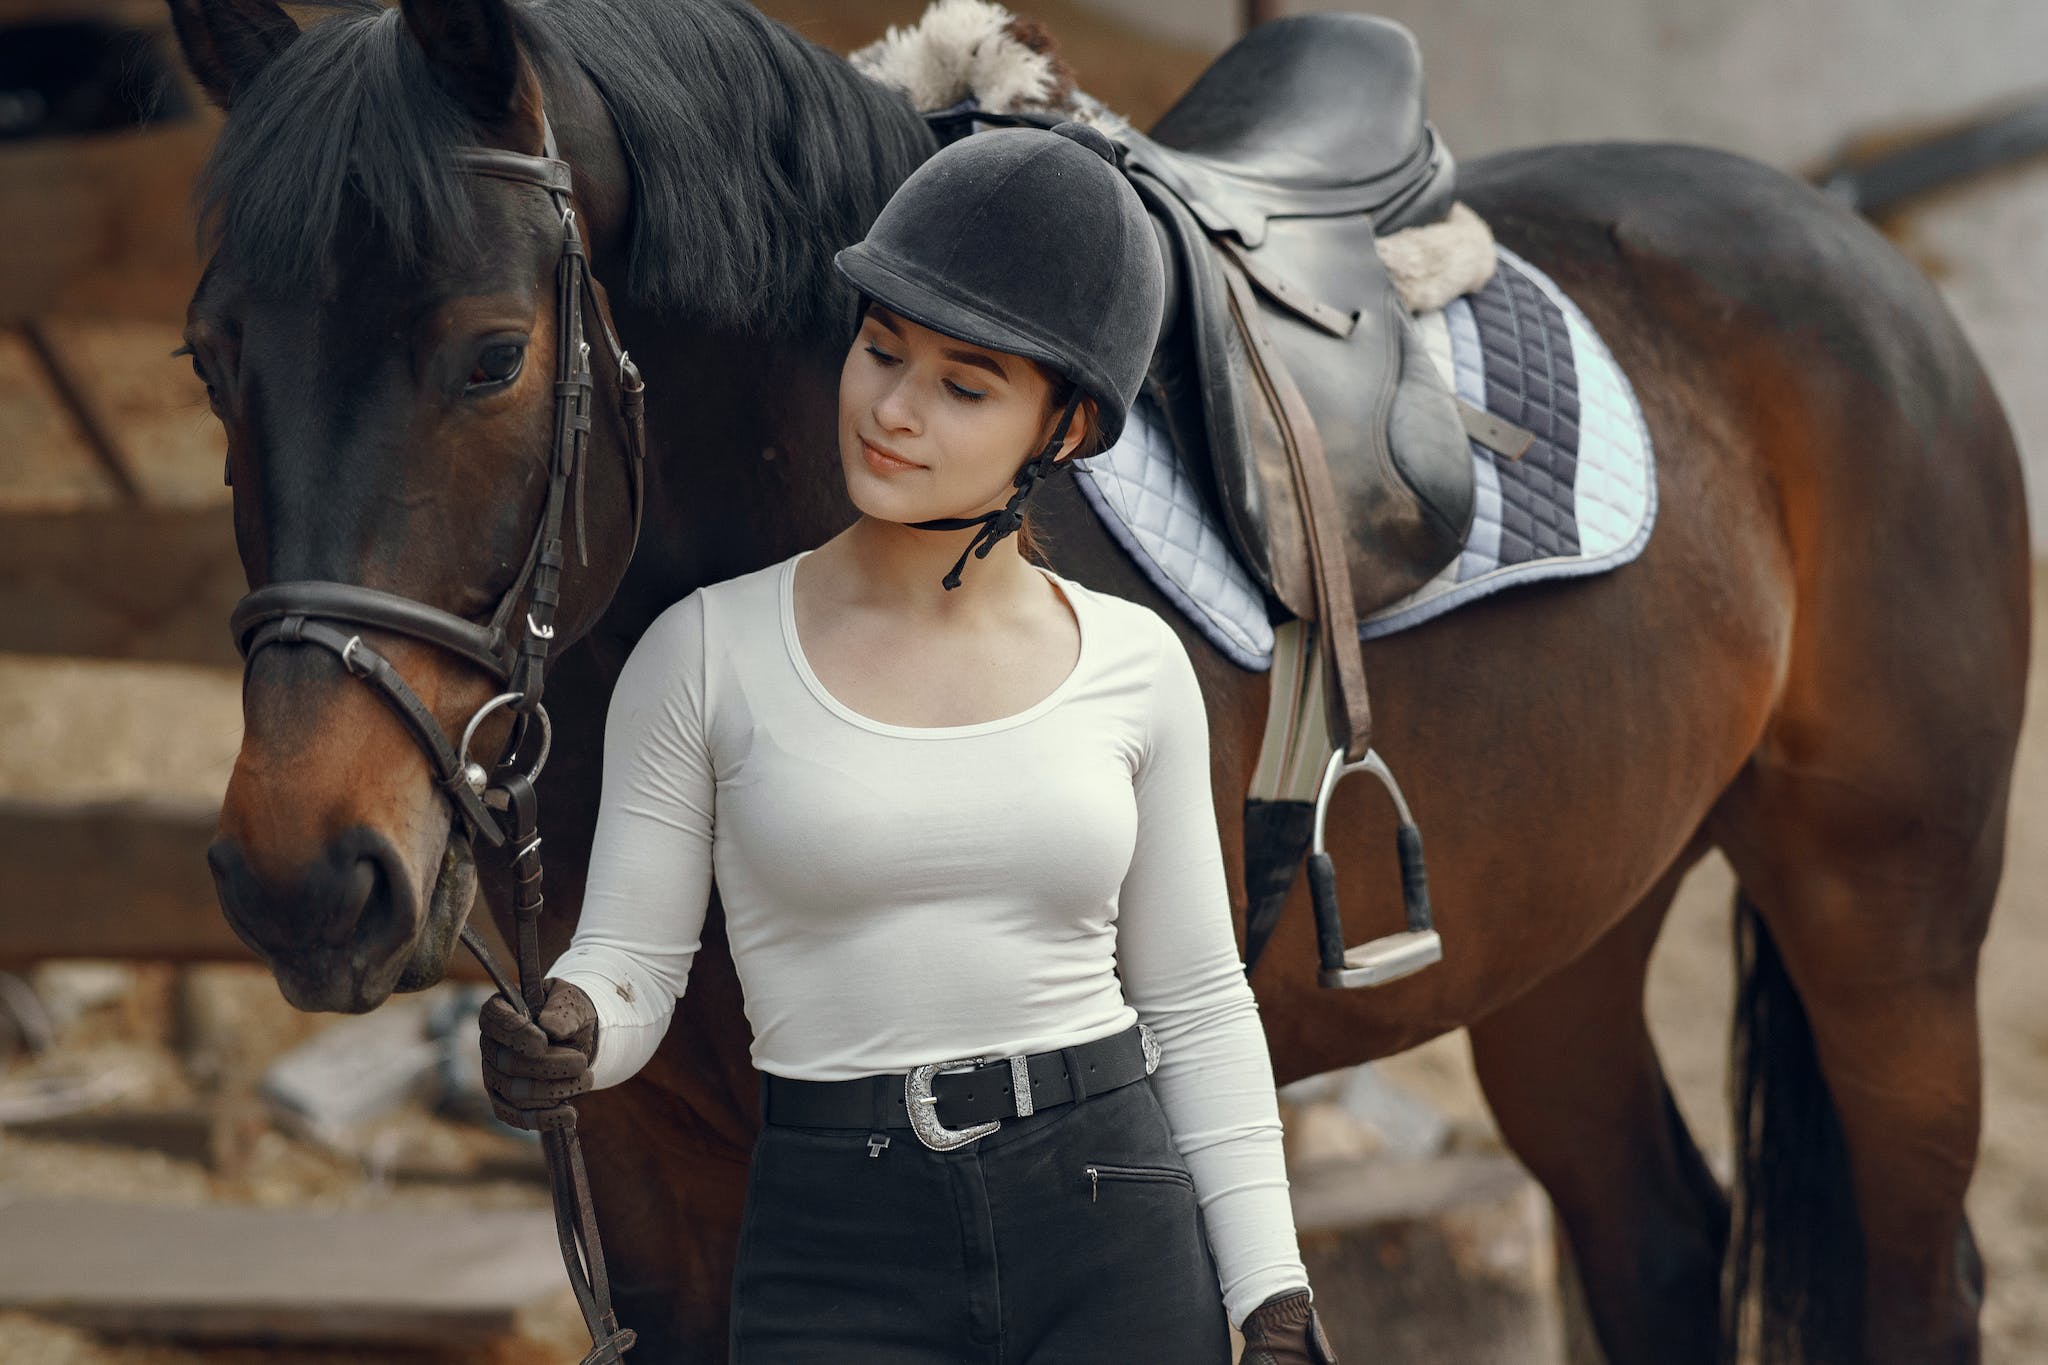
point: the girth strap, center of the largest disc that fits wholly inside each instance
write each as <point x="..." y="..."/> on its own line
<point x="1350" y="714"/>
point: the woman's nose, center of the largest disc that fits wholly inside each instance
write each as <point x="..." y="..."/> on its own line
<point x="895" y="409"/>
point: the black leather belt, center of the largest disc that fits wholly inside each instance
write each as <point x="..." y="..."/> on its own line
<point x="958" y="1101"/>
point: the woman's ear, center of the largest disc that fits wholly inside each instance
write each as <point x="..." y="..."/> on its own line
<point x="1078" y="430"/>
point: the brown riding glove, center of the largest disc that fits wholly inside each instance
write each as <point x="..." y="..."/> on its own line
<point x="1284" y="1330"/>
<point x="532" y="1067"/>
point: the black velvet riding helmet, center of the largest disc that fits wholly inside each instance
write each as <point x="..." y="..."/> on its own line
<point x="1032" y="242"/>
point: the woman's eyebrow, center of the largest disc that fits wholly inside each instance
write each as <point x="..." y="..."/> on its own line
<point x="982" y="359"/>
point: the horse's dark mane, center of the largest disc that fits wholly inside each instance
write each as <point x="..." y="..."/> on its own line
<point x="755" y="154"/>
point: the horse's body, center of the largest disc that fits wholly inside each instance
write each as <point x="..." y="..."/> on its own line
<point x="1816" y="665"/>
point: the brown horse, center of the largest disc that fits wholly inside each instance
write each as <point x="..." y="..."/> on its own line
<point x="1816" y="665"/>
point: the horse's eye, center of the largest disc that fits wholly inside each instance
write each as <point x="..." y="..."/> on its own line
<point x="497" y="364"/>
<point x="212" y="397"/>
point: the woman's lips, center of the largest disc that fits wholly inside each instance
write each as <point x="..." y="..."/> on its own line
<point x="883" y="462"/>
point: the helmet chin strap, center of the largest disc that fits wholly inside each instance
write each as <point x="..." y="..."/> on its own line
<point x="999" y="523"/>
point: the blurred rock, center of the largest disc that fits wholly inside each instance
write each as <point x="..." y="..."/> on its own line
<point x="216" y="1135"/>
<point x="1443" y="1261"/>
<point x="26" y="1025"/>
<point x="70" y="987"/>
<point x="1319" y="1132"/>
<point x="1408" y="1125"/>
<point x="358" y="1069"/>
<point x="230" y="1022"/>
<point x="1357" y="1112"/>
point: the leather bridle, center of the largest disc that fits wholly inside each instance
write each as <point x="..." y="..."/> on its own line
<point x="499" y="805"/>
<point x="305" y="610"/>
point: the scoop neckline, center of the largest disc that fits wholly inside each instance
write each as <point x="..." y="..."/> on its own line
<point x="817" y="688"/>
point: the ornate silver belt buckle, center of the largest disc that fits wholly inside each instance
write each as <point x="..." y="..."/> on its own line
<point x="1150" y="1047"/>
<point x="923" y="1107"/>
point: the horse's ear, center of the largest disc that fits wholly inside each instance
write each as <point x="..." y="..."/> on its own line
<point x="474" y="50"/>
<point x="227" y="42"/>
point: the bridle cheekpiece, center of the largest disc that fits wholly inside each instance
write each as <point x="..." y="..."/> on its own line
<point x="499" y="804"/>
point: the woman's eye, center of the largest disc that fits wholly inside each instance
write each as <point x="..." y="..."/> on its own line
<point x="971" y="395"/>
<point x="883" y="356"/>
<point x="497" y="364"/>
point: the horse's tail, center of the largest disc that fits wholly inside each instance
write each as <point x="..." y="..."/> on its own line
<point x="1794" y="1291"/>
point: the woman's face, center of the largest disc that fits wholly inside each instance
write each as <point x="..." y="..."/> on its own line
<point x="934" y="427"/>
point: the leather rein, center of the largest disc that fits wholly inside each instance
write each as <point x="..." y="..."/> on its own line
<point x="499" y="805"/>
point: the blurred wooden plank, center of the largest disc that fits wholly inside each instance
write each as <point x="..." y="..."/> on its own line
<point x="109" y="879"/>
<point x="104" y="217"/>
<point x="150" y="400"/>
<point x="86" y="412"/>
<point x="122" y="582"/>
<point x="286" y="1276"/>
<point x="74" y="731"/>
<point x="201" y="1133"/>
<point x="46" y="464"/>
<point x="1257" y="12"/>
<point x="125" y="879"/>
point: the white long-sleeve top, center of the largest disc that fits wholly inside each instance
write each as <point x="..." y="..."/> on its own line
<point x="899" y="894"/>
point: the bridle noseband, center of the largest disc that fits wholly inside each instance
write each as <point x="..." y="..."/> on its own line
<point x="500" y="805"/>
<point x="307" y="610"/>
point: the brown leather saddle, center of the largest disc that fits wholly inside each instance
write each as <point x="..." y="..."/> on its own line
<point x="1277" y="169"/>
<point x="1268" y="182"/>
<point x="1294" y="386"/>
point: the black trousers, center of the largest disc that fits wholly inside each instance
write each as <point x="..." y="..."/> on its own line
<point x="1070" y="1237"/>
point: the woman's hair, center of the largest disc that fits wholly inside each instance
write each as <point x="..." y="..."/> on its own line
<point x="1030" y="543"/>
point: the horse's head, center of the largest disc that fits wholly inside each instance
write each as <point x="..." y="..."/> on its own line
<point x="381" y="330"/>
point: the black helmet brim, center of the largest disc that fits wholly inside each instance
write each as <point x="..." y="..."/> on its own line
<point x="979" y="322"/>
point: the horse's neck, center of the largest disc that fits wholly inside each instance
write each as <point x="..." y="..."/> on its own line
<point x="742" y="425"/>
<point x="744" y="464"/>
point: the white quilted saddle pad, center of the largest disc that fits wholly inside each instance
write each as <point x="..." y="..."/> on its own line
<point x="1580" y="500"/>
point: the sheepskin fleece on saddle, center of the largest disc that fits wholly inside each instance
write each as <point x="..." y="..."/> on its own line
<point x="962" y="50"/>
<point x="975" y="49"/>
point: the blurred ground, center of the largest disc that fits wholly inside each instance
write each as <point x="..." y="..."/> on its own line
<point x="212" y="1034"/>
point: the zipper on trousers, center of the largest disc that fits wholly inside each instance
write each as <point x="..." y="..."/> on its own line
<point x="1098" y="1171"/>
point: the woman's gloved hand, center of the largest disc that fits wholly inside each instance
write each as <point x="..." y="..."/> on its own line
<point x="532" y="1067"/>
<point x="1284" y="1330"/>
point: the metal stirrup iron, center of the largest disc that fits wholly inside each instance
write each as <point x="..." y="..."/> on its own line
<point x="1382" y="959"/>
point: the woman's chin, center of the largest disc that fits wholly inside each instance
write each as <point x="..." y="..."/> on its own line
<point x="876" y="498"/>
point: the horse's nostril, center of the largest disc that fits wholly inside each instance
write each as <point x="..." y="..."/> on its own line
<point x="381" y="909"/>
<point x="356" y="898"/>
<point x="242" y="900"/>
<point x="361" y="884"/>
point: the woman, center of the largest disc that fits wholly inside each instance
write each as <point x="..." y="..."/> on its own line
<point x="945" y="823"/>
